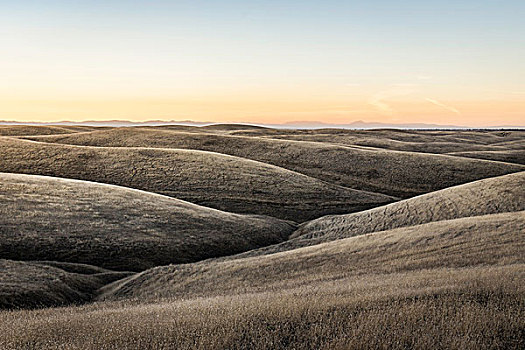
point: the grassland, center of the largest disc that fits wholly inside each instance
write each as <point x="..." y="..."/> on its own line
<point x="489" y="196"/>
<point x="400" y="239"/>
<point x="43" y="284"/>
<point x="44" y="218"/>
<point x="485" y="240"/>
<point x="508" y="156"/>
<point x="480" y="308"/>
<point x="389" y="289"/>
<point x="215" y="180"/>
<point x="28" y="130"/>
<point x="484" y="197"/>
<point x="398" y="174"/>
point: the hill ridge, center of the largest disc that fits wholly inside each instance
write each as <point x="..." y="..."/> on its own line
<point x="206" y="178"/>
<point x="62" y="220"/>
<point x="380" y="171"/>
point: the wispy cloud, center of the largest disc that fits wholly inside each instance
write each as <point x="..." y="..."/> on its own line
<point x="329" y="111"/>
<point x="405" y="84"/>
<point x="442" y="105"/>
<point x="380" y="100"/>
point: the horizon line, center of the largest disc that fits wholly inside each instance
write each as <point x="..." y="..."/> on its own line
<point x="359" y="124"/>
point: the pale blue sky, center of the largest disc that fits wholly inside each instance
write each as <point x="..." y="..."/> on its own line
<point x="467" y="50"/>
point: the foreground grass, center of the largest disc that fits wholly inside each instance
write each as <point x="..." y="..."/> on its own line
<point x="491" y="240"/>
<point x="473" y="308"/>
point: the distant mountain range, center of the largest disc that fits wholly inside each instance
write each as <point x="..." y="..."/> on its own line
<point x="287" y="125"/>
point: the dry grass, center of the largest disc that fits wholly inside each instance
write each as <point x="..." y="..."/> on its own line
<point x="210" y="179"/>
<point x="43" y="218"/>
<point x="480" y="308"/>
<point x="400" y="174"/>
<point x="509" y="156"/>
<point x="42" y="284"/>
<point x="27" y="130"/>
<point x="456" y="285"/>
<point x="442" y="270"/>
<point x="425" y="141"/>
<point x="485" y="240"/>
<point x="489" y="196"/>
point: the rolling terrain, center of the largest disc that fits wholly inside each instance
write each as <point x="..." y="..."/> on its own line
<point x="444" y="244"/>
<point x="45" y="218"/>
<point x="454" y="284"/>
<point x="215" y="180"/>
<point x="243" y="237"/>
<point x="394" y="173"/>
<point x="399" y="139"/>
<point x="508" y="156"/>
<point x="41" y="284"/>
<point x="489" y="196"/>
<point x="501" y="194"/>
<point x="27" y="130"/>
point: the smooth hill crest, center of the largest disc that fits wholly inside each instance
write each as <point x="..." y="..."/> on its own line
<point x="210" y="179"/>
<point x="46" y="218"/>
<point x="393" y="173"/>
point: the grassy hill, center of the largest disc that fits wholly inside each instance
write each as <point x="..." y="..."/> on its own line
<point x="205" y="178"/>
<point x="443" y="244"/>
<point x="346" y="136"/>
<point x="489" y="196"/>
<point x="509" y="156"/>
<point x="442" y="269"/>
<point x="426" y="141"/>
<point x="25" y="130"/>
<point x="44" y="218"/>
<point x="42" y="284"/>
<point x="400" y="174"/>
<point x="428" y="286"/>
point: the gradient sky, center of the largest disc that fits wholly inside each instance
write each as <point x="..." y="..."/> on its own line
<point x="271" y="61"/>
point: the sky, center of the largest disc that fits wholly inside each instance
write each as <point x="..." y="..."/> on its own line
<point x="272" y="61"/>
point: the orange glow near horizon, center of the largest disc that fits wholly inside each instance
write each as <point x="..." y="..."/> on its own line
<point x="333" y="61"/>
<point x="336" y="109"/>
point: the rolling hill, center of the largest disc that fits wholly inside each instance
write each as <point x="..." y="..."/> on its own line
<point x="444" y="244"/>
<point x="205" y="178"/>
<point x="26" y="130"/>
<point x="489" y="196"/>
<point x="467" y="138"/>
<point x="44" y="218"/>
<point x="426" y="141"/>
<point x="41" y="284"/>
<point x="441" y="269"/>
<point x="508" y="156"/>
<point x="394" y="173"/>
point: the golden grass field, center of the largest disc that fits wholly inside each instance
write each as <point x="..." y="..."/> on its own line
<point x="241" y="237"/>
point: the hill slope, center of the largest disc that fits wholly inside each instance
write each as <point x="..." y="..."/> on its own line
<point x="43" y="218"/>
<point x="24" y="130"/>
<point x="400" y="174"/>
<point x="485" y="240"/>
<point x="509" y="156"/>
<point x="210" y="179"/>
<point x="489" y="196"/>
<point x="438" y="141"/>
<point x="34" y="284"/>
